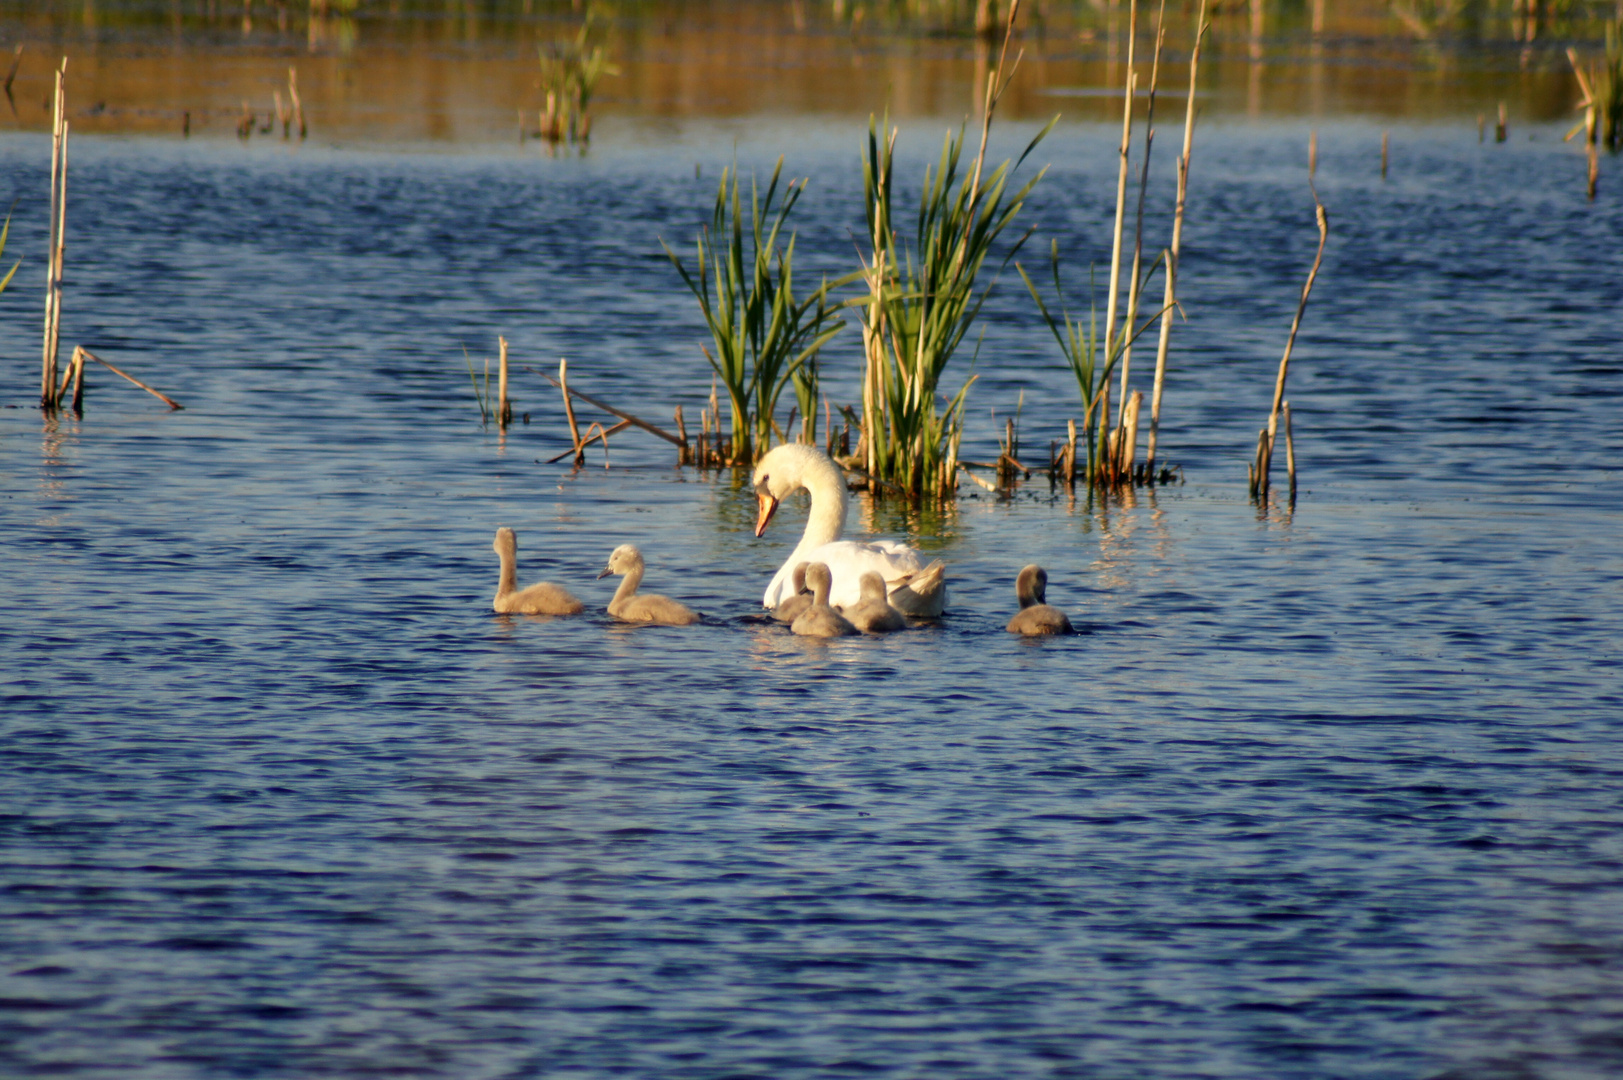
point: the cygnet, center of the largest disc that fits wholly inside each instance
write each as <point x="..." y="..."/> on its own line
<point x="820" y="620"/>
<point x="1035" y="618"/>
<point x="543" y="598"/>
<point x="627" y="606"/>
<point x="799" y="601"/>
<point x="873" y="612"/>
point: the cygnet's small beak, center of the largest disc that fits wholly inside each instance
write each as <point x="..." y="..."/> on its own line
<point x="607" y="570"/>
<point x="769" y="506"/>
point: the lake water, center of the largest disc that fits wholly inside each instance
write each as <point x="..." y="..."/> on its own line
<point x="1331" y="793"/>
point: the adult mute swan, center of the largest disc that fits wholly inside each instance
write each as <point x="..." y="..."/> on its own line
<point x="820" y="620"/>
<point x="873" y="612"/>
<point x="627" y="606"/>
<point x="1035" y="618"/>
<point x="542" y="598"/>
<point x="915" y="589"/>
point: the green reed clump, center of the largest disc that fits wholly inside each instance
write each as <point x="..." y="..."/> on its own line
<point x="922" y="300"/>
<point x="1091" y="360"/>
<point x="764" y="335"/>
<point x="570" y="72"/>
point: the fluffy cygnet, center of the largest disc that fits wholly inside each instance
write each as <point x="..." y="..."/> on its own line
<point x="788" y="609"/>
<point x="543" y="598"/>
<point x="1035" y="617"/>
<point x="627" y="606"/>
<point x="820" y="620"/>
<point x="873" y="612"/>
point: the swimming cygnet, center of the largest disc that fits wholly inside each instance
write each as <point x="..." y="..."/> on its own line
<point x="1035" y="617"/>
<point x="628" y="606"/>
<point x="873" y="612"/>
<point x="820" y="620"/>
<point x="543" y="598"/>
<point x="796" y="603"/>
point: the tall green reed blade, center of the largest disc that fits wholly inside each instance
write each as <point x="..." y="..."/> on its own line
<point x="922" y="300"/>
<point x="763" y="335"/>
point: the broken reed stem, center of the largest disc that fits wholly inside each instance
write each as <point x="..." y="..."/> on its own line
<point x="1171" y="296"/>
<point x="681" y="433"/>
<point x="600" y="434"/>
<point x="570" y="391"/>
<point x="1290" y="449"/>
<point x="293" y="96"/>
<point x="1312" y="153"/>
<point x="1070" y="451"/>
<point x="166" y="399"/>
<point x="569" y="408"/>
<point x="283" y="117"/>
<point x="1383" y="154"/>
<point x="1128" y="439"/>
<point x="1121" y="196"/>
<point x="49" y="396"/>
<point x="1499" y="133"/>
<point x="78" y="367"/>
<point x="1138" y="225"/>
<point x="1272" y="430"/>
<point x="504" y="408"/>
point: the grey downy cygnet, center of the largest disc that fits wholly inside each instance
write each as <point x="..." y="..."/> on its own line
<point x="627" y="606"/>
<point x="873" y="612"/>
<point x="1035" y="618"/>
<point x="820" y="620"/>
<point x="789" y="608"/>
<point x="542" y="598"/>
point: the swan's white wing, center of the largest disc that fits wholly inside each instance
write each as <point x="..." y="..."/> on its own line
<point x="848" y="560"/>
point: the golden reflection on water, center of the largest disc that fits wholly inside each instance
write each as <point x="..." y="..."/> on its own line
<point x="412" y="70"/>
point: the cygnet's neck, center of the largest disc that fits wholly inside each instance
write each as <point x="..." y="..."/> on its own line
<point x="827" y="520"/>
<point x="509" y="579"/>
<point x="628" y="584"/>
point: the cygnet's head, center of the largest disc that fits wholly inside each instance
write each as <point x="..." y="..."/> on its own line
<point x="797" y="577"/>
<point x="622" y="560"/>
<point x="506" y="542"/>
<point x="818" y="578"/>
<point x="872" y="585"/>
<point x="782" y="471"/>
<point x="1032" y="586"/>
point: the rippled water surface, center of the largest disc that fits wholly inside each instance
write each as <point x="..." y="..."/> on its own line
<point x="1325" y="794"/>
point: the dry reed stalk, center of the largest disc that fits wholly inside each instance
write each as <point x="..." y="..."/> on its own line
<point x="283" y="117"/>
<point x="1171" y="296"/>
<point x="1131" y="86"/>
<point x="569" y="407"/>
<point x="1312" y="153"/>
<point x="716" y="450"/>
<point x="50" y="396"/>
<point x="293" y="96"/>
<point x="504" y="408"/>
<point x="1290" y="449"/>
<point x="681" y="433"/>
<point x="1272" y="430"/>
<point x="1070" y="451"/>
<point x="166" y="399"/>
<point x="610" y="409"/>
<point x="601" y="434"/>
<point x="1499" y="133"/>
<point x="78" y="369"/>
<point x="1383" y="155"/>
<point x="1143" y="189"/>
<point x="1129" y="436"/>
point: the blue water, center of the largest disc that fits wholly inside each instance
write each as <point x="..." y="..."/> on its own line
<point x="1324" y="793"/>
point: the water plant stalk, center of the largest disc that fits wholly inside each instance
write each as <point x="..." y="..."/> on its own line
<point x="923" y="299"/>
<point x="49" y="394"/>
<point x="1265" y="451"/>
<point x="1170" y="298"/>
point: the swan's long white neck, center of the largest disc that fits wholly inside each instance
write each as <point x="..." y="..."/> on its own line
<point x="826" y="523"/>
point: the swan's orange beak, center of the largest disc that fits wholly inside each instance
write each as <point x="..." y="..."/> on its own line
<point x="769" y="506"/>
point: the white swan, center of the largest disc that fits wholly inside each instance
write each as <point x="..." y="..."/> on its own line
<point x="542" y="598"/>
<point x="627" y="606"/>
<point x="1035" y="618"/>
<point x="915" y="589"/>
<point x="820" y="620"/>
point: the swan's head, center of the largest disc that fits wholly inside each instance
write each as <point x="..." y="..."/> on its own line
<point x="784" y="470"/>
<point x="872" y="585"/>
<point x="506" y="542"/>
<point x="622" y="560"/>
<point x="1032" y="586"/>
